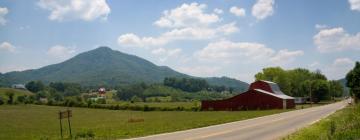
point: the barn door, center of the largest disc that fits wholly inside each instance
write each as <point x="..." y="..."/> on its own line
<point x="284" y="103"/>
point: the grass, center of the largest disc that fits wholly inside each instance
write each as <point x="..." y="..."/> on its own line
<point x="186" y="105"/>
<point x="41" y="122"/>
<point x="342" y="125"/>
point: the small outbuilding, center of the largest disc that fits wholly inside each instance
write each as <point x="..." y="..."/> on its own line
<point x="18" y="86"/>
<point x="102" y="92"/>
<point x="300" y="100"/>
<point x="261" y="95"/>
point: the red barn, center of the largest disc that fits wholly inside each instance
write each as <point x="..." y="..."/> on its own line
<point x="261" y="95"/>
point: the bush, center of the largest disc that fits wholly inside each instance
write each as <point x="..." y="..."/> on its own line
<point x="51" y="102"/>
<point x="10" y="97"/>
<point x="73" y="102"/>
<point x="89" y="102"/>
<point x="30" y="99"/>
<point x="101" y="101"/>
<point x="1" y="101"/>
<point x="21" y="99"/>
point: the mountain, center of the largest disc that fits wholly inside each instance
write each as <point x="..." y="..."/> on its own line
<point x="343" y="82"/>
<point x="104" y="66"/>
<point x="230" y="82"/>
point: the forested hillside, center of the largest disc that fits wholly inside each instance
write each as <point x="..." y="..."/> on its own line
<point x="106" y="67"/>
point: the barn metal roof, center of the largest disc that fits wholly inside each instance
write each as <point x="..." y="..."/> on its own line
<point x="274" y="87"/>
<point x="269" y="82"/>
<point x="278" y="94"/>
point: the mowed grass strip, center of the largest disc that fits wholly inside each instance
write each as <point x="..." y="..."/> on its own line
<point x="342" y="125"/>
<point x="41" y="122"/>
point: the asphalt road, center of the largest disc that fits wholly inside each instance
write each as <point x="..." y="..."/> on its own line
<point x="263" y="128"/>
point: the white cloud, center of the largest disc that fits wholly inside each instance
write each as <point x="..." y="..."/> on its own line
<point x="218" y="11"/>
<point x="6" y="46"/>
<point x="339" y="68"/>
<point x="187" y="15"/>
<point x="164" y="53"/>
<point x="168" y="52"/>
<point x="189" y="33"/>
<point x="339" y="62"/>
<point x="3" y="11"/>
<point x="354" y="5"/>
<point x="240" y="12"/>
<point x="336" y="39"/>
<point x="262" y="9"/>
<point x="131" y="39"/>
<point x="200" y="33"/>
<point x="87" y="10"/>
<point x="321" y="26"/>
<point x="61" y="52"/>
<point x="204" y="71"/>
<point x="228" y="52"/>
<point x="186" y="22"/>
<point x="227" y="28"/>
<point x="314" y="64"/>
<point x="285" y="56"/>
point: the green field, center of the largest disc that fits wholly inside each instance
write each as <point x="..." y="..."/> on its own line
<point x="342" y="125"/>
<point x="36" y="121"/>
<point x="17" y="92"/>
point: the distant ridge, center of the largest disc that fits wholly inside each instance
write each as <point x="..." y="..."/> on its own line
<point x="104" y="66"/>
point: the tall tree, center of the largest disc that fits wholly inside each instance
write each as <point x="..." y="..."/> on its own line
<point x="335" y="88"/>
<point x="35" y="86"/>
<point x="297" y="78"/>
<point x="353" y="81"/>
<point x="319" y="90"/>
<point x="186" y="84"/>
<point x="299" y="82"/>
<point x="277" y="75"/>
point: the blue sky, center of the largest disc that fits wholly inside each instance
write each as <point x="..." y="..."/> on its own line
<point x="234" y="38"/>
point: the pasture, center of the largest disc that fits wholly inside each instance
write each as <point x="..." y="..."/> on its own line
<point x="41" y="122"/>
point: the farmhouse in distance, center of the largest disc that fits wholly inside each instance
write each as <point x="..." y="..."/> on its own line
<point x="261" y="95"/>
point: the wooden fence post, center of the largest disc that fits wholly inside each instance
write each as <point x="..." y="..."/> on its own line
<point x="61" y="131"/>
<point x="69" y="115"/>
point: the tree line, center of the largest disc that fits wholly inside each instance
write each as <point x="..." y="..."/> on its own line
<point x="301" y="82"/>
<point x="353" y="81"/>
<point x="55" y="92"/>
<point x="178" y="89"/>
<point x="194" y="85"/>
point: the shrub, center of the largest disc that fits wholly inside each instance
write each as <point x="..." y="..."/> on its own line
<point x="30" y="99"/>
<point x="101" y="101"/>
<point x="89" y="102"/>
<point x="1" y="101"/>
<point x="146" y="108"/>
<point x="10" y="97"/>
<point x="21" y="99"/>
<point x="69" y="102"/>
<point x="51" y="102"/>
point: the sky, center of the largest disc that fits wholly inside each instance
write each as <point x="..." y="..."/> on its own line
<point x="233" y="38"/>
